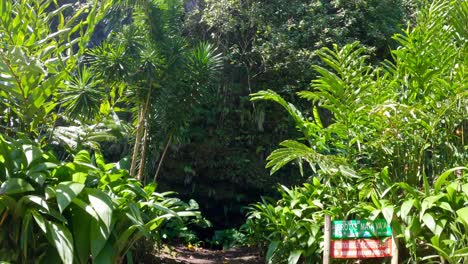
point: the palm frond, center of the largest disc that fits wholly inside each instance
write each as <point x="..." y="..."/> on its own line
<point x="270" y="95"/>
<point x="204" y="59"/>
<point x="82" y="96"/>
<point x="292" y="150"/>
<point x="459" y="20"/>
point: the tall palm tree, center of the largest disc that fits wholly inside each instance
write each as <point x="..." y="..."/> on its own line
<point x="150" y="57"/>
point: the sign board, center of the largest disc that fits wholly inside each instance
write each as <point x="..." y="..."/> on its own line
<point x="358" y="239"/>
<point x="361" y="229"/>
<point x="361" y="248"/>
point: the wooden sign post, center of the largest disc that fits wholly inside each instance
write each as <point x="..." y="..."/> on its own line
<point x="359" y="239"/>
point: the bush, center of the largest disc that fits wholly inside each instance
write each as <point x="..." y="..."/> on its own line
<point x="74" y="212"/>
<point x="396" y="147"/>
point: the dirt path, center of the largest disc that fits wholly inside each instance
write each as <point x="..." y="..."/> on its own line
<point x="183" y="255"/>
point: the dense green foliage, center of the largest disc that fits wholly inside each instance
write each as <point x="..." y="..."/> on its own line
<point x="75" y="208"/>
<point x="397" y="131"/>
<point x="149" y="65"/>
<point x="76" y="211"/>
<point x="273" y="43"/>
<point x="160" y="88"/>
<point x="39" y="48"/>
<point x="266" y="45"/>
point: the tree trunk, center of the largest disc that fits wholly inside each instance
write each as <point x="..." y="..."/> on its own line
<point x="143" y="155"/>
<point x="138" y="137"/>
<point x="136" y="147"/>
<point x="145" y="136"/>
<point x="162" y="157"/>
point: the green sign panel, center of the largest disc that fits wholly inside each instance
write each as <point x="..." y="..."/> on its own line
<point x="361" y="229"/>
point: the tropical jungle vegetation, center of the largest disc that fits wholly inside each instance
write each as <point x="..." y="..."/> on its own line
<point x="127" y="125"/>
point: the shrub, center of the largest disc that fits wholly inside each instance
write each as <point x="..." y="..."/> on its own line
<point x="396" y="146"/>
<point x="76" y="212"/>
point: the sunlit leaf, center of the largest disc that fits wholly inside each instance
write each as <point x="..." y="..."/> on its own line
<point x="14" y="186"/>
<point x="66" y="192"/>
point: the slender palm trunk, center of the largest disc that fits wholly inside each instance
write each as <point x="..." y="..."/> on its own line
<point x="143" y="155"/>
<point x="162" y="157"/>
<point x="138" y="135"/>
<point x="145" y="136"/>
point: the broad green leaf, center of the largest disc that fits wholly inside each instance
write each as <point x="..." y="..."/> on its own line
<point x="316" y="182"/>
<point x="106" y="255"/>
<point x="297" y="212"/>
<point x="441" y="252"/>
<point x="387" y="212"/>
<point x="446" y="206"/>
<point x="155" y="223"/>
<point x="14" y="186"/>
<point x="87" y="208"/>
<point x="42" y="167"/>
<point x="98" y="236"/>
<point x="40" y="221"/>
<point x="32" y="153"/>
<point x="271" y="250"/>
<point x="465" y="189"/>
<point x="317" y="118"/>
<point x="406" y="207"/>
<point x="100" y="161"/>
<point x="161" y="208"/>
<point x="38" y="177"/>
<point x="294" y="256"/>
<point x="124" y="237"/>
<point x="102" y="204"/>
<point x="83" y="159"/>
<point x="375" y="201"/>
<point x="134" y="213"/>
<point x="463" y="214"/>
<point x="188" y="213"/>
<point x="406" y="187"/>
<point x="80" y="177"/>
<point x="461" y="252"/>
<point x="66" y="192"/>
<point x="36" y="200"/>
<point x="443" y="178"/>
<point x="429" y="221"/>
<point x="49" y="193"/>
<point x="62" y="239"/>
<point x="81" y="222"/>
<point x="25" y="233"/>
<point x="429" y="202"/>
<point x="53" y="35"/>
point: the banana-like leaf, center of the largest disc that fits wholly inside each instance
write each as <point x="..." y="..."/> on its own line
<point x="66" y="192"/>
<point x="62" y="239"/>
<point x="102" y="204"/>
<point x="15" y="186"/>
